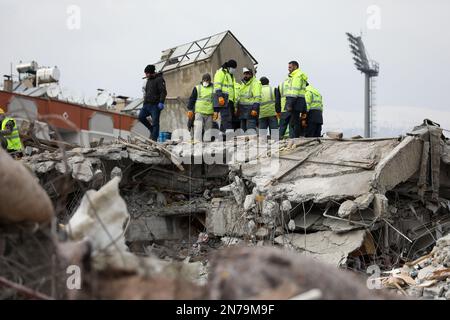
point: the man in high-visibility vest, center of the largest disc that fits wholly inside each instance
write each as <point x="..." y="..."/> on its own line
<point x="249" y="99"/>
<point x="9" y="133"/>
<point x="225" y="94"/>
<point x="292" y="93"/>
<point x="314" y="104"/>
<point x="200" y="106"/>
<point x="269" y="109"/>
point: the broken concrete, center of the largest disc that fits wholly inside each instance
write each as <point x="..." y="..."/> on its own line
<point x="337" y="200"/>
<point x="325" y="246"/>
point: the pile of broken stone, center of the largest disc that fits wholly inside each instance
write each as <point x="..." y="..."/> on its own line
<point x="427" y="277"/>
<point x="84" y="164"/>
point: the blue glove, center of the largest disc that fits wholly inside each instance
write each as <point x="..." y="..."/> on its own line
<point x="161" y="106"/>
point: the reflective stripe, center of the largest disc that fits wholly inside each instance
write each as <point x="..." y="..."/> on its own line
<point x="267" y="106"/>
<point x="204" y="102"/>
<point x="249" y="93"/>
<point x="315" y="99"/>
<point x="223" y="85"/>
<point x="295" y="95"/>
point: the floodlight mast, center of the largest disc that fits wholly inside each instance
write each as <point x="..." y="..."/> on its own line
<point x="370" y="69"/>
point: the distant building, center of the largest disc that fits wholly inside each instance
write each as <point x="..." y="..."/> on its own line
<point x="183" y="67"/>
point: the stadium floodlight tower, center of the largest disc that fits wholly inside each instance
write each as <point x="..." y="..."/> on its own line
<point x="370" y="69"/>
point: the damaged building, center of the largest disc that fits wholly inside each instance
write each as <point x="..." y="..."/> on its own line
<point x="338" y="203"/>
<point x="183" y="67"/>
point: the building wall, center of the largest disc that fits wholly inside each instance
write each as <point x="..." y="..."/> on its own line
<point x="231" y="49"/>
<point x="180" y="82"/>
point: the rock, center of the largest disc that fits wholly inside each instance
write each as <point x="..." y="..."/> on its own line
<point x="82" y="171"/>
<point x="207" y="194"/>
<point x="251" y="225"/>
<point x="286" y="206"/>
<point x="238" y="190"/>
<point x="262" y="233"/>
<point x="416" y="292"/>
<point x="425" y="263"/>
<point x="425" y="272"/>
<point x="447" y="295"/>
<point x="147" y="158"/>
<point x="225" y="218"/>
<point x="249" y="202"/>
<point x="107" y="205"/>
<point x="230" y="241"/>
<point x="279" y="231"/>
<point x="61" y="168"/>
<point x="98" y="179"/>
<point x="44" y="167"/>
<point x="347" y="208"/>
<point x="335" y="135"/>
<point x="433" y="292"/>
<point x="291" y="225"/>
<point x="270" y="210"/>
<point x="116" y="172"/>
<point x="161" y="200"/>
<point x="364" y="201"/>
<point x="443" y="242"/>
<point x="380" y="205"/>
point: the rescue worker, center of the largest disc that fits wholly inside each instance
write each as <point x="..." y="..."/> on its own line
<point x="249" y="100"/>
<point x="293" y="91"/>
<point x="154" y="97"/>
<point x="10" y="134"/>
<point x="314" y="105"/>
<point x="269" y="108"/>
<point x="201" y="108"/>
<point x="225" y="94"/>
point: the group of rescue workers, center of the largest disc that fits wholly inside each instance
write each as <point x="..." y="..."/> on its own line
<point x="294" y="107"/>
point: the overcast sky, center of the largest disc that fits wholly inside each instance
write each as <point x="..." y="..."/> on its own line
<point x="116" y="39"/>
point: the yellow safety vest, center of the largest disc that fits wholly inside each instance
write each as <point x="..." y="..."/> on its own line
<point x="295" y="84"/>
<point x="267" y="108"/>
<point x="250" y="92"/>
<point x="224" y="81"/>
<point x="204" y="102"/>
<point x="14" y="143"/>
<point x="313" y="99"/>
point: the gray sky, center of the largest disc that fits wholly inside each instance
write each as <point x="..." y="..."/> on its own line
<point x="117" y="39"/>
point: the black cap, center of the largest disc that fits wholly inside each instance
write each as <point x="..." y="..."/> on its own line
<point x="150" y="69"/>
<point x="232" y="63"/>
<point x="264" y="81"/>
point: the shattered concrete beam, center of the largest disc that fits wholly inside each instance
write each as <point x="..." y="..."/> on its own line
<point x="400" y="165"/>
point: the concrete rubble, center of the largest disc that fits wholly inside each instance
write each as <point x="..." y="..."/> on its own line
<point x="425" y="278"/>
<point x="149" y="210"/>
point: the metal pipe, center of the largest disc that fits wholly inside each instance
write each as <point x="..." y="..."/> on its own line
<point x="367" y="107"/>
<point x="398" y="231"/>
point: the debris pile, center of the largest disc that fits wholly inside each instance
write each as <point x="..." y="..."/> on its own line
<point x="135" y="212"/>
<point x="427" y="277"/>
